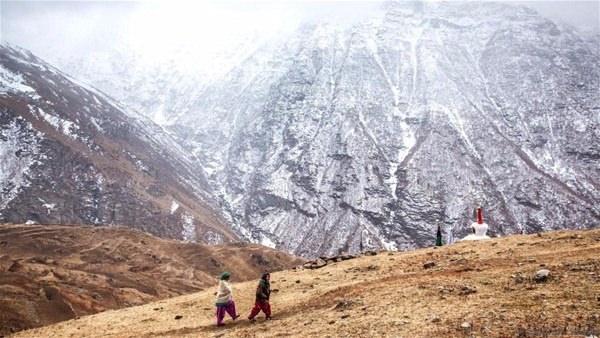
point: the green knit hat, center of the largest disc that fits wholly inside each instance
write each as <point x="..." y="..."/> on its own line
<point x="225" y="275"/>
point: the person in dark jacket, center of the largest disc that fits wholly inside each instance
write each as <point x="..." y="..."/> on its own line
<point x="263" y="293"/>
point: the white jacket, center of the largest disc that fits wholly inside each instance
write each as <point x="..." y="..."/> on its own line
<point x="224" y="294"/>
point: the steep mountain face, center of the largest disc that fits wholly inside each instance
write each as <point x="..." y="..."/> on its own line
<point x="351" y="138"/>
<point x="347" y="139"/>
<point x="159" y="86"/>
<point x="69" y="155"/>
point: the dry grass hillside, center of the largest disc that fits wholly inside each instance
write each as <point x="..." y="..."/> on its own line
<point x="54" y="273"/>
<point x="475" y="289"/>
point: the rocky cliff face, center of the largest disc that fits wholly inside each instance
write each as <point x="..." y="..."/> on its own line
<point x="352" y="138"/>
<point x="347" y="139"/>
<point x="69" y="155"/>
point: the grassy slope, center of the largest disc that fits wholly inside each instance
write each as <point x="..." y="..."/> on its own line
<point x="53" y="273"/>
<point x="392" y="295"/>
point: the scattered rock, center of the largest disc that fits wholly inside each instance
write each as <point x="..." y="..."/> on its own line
<point x="345" y="316"/>
<point x="467" y="290"/>
<point x="344" y="304"/>
<point x="178" y="317"/>
<point x="370" y="253"/>
<point x="444" y="289"/>
<point x="428" y="265"/>
<point x="465" y="325"/>
<point x="316" y="264"/>
<point x="462" y="261"/>
<point x="297" y="281"/>
<point x="435" y="319"/>
<point x="331" y="322"/>
<point x="15" y="266"/>
<point x="347" y="257"/>
<point x="518" y="278"/>
<point x="541" y="276"/>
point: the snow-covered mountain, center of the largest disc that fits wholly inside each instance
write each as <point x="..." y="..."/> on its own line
<point x="70" y="155"/>
<point x="346" y="138"/>
<point x="373" y="135"/>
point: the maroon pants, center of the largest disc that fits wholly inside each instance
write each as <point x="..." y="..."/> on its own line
<point x="221" y="309"/>
<point x="258" y="306"/>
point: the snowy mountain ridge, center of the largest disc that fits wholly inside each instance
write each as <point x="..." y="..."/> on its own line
<point x="342" y="140"/>
<point x="346" y="138"/>
<point x="71" y="155"/>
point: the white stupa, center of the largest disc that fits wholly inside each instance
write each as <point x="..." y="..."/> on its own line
<point x="480" y="228"/>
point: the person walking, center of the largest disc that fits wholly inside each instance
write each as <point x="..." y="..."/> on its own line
<point x="263" y="293"/>
<point x="224" y="301"/>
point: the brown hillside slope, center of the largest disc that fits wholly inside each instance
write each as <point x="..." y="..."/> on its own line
<point x="53" y="273"/>
<point x="484" y="286"/>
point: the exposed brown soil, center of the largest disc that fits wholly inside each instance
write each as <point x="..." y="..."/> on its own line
<point x="54" y="273"/>
<point x="474" y="289"/>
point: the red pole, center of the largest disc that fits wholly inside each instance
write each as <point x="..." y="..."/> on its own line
<point x="479" y="216"/>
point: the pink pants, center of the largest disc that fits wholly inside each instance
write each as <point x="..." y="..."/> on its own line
<point x="221" y="309"/>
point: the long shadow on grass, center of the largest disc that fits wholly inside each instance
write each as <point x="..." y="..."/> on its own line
<point x="229" y="324"/>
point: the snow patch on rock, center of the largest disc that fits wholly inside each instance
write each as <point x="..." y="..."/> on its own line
<point x="67" y="127"/>
<point x="188" y="232"/>
<point x="19" y="151"/>
<point x="13" y="83"/>
<point x="174" y="206"/>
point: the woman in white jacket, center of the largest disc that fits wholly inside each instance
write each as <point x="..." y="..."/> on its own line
<point x="224" y="299"/>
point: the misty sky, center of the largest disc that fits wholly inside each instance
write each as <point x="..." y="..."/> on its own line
<point x="51" y="29"/>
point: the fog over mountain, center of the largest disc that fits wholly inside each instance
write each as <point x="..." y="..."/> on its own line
<point x="319" y="128"/>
